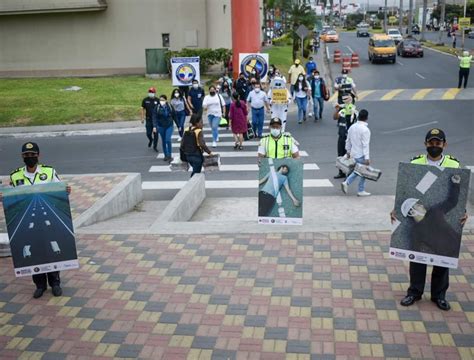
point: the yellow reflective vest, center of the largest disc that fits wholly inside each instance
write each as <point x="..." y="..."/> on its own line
<point x="465" y="62"/>
<point x="44" y="174"/>
<point x="448" y="161"/>
<point x="279" y="148"/>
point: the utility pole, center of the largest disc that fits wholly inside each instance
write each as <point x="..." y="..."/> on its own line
<point x="441" y="21"/>
<point x="400" y="17"/>
<point x="462" y="28"/>
<point x="423" y="20"/>
<point x="410" y="17"/>
<point x="385" y="16"/>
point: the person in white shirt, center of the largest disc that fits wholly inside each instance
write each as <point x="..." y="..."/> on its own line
<point x="214" y="104"/>
<point x="256" y="101"/>
<point x="301" y="95"/>
<point x="357" y="147"/>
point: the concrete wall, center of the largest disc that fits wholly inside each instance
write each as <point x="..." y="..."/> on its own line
<point x="110" y="41"/>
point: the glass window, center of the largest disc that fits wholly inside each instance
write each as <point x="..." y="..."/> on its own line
<point x="165" y="38"/>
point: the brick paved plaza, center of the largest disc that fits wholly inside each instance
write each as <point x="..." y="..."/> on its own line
<point x="261" y="296"/>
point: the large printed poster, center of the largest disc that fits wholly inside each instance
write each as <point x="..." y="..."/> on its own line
<point x="429" y="204"/>
<point x="257" y="62"/>
<point x="184" y="70"/>
<point x="40" y="228"/>
<point x="280" y="192"/>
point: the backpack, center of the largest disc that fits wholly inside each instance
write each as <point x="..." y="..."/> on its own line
<point x="189" y="143"/>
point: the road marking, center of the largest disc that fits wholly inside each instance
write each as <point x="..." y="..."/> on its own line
<point x="350" y="49"/>
<point x="229" y="154"/>
<point x="391" y="94"/>
<point x="33" y="214"/>
<point x="400" y="63"/>
<point x="420" y="76"/>
<point x="47" y="222"/>
<point x="62" y="222"/>
<point x="363" y="94"/>
<point x="209" y="135"/>
<point x="409" y="128"/>
<point x="450" y="94"/>
<point x="227" y="143"/>
<point x="227" y="184"/>
<point x="44" y="213"/>
<point x="21" y="220"/>
<point x="420" y="95"/>
<point x="237" y="167"/>
<point x="470" y="168"/>
<point x="31" y="225"/>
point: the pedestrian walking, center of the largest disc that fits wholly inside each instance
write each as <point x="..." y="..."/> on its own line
<point x="195" y="97"/>
<point x="238" y="120"/>
<point x="464" y="67"/>
<point x="164" y="117"/>
<point x="33" y="174"/>
<point x="302" y="93"/>
<point x="345" y="85"/>
<point x="181" y="108"/>
<point x="226" y="94"/>
<point x="310" y="66"/>
<point x="257" y="101"/>
<point x="357" y="147"/>
<point x="214" y="105"/>
<point x="242" y="87"/>
<point x="454" y="39"/>
<point x="435" y="143"/>
<point x="345" y="115"/>
<point x="148" y="105"/>
<point x="193" y="144"/>
<point x="279" y="107"/>
<point x="278" y="144"/>
<point x="319" y="93"/>
<point x="293" y="74"/>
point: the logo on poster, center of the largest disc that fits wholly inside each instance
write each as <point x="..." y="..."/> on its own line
<point x="254" y="62"/>
<point x="411" y="256"/>
<point x="185" y="73"/>
<point x="36" y="269"/>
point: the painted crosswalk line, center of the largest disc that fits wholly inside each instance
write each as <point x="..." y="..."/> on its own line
<point x="231" y="154"/>
<point x="226" y="143"/>
<point x="236" y="167"/>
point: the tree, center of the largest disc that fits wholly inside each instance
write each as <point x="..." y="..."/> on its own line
<point x="300" y="14"/>
<point x="423" y="20"/>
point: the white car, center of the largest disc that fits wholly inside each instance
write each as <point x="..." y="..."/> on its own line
<point x="395" y="35"/>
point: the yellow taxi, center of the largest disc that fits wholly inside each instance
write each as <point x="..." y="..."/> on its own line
<point x="331" y="36"/>
<point x="382" y="48"/>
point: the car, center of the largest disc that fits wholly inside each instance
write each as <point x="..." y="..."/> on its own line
<point x="409" y="47"/>
<point x="471" y="35"/>
<point x="395" y="35"/>
<point x="382" y="47"/>
<point x="331" y="36"/>
<point x="362" y="30"/>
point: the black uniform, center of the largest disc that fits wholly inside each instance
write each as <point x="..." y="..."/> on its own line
<point x="149" y="104"/>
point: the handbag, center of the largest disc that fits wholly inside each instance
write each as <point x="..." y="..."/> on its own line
<point x="212" y="162"/>
<point x="368" y="172"/>
<point x="223" y="122"/>
<point x="249" y="135"/>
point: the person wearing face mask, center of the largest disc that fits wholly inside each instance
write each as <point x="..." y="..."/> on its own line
<point x="32" y="174"/>
<point x="344" y="85"/>
<point x="279" y="106"/>
<point x="278" y="144"/>
<point x="180" y="106"/>
<point x="294" y="72"/>
<point x="226" y="94"/>
<point x="319" y="93"/>
<point x="195" y="97"/>
<point x="242" y="87"/>
<point x="257" y="101"/>
<point x="215" y="107"/>
<point x="163" y="119"/>
<point x="345" y="115"/>
<point x="148" y="104"/>
<point x="435" y="143"/>
<point x="301" y="94"/>
<point x="310" y="66"/>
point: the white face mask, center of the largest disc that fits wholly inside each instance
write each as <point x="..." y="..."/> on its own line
<point x="176" y="95"/>
<point x="344" y="76"/>
<point x="151" y="95"/>
<point x="257" y="90"/>
<point x="300" y="78"/>
<point x="162" y="102"/>
<point x="275" y="132"/>
<point x="195" y="86"/>
<point x="316" y="77"/>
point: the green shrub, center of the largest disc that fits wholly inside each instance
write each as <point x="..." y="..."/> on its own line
<point x="207" y="57"/>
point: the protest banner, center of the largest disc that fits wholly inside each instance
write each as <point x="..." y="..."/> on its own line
<point x="279" y="96"/>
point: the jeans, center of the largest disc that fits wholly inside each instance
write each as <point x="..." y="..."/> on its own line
<point x="302" y="104"/>
<point x="353" y="175"/>
<point x="318" y="107"/>
<point x="150" y="135"/>
<point x="214" y="124"/>
<point x="180" y="119"/>
<point x="165" y="134"/>
<point x="258" y="116"/>
<point x="195" y="160"/>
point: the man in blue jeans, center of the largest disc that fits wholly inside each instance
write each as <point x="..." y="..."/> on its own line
<point x="357" y="147"/>
<point x="257" y="101"/>
<point x="318" y="93"/>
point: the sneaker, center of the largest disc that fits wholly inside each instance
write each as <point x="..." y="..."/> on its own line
<point x="344" y="187"/>
<point x="149" y="143"/>
<point x="57" y="291"/>
<point x="38" y="293"/>
<point x="178" y="139"/>
<point x="214" y="144"/>
<point x="217" y="140"/>
<point x="363" y="193"/>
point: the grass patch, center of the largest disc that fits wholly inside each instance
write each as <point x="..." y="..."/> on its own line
<point x="281" y="57"/>
<point x="444" y="48"/>
<point x="26" y="102"/>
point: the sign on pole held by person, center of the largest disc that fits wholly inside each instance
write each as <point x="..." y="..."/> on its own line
<point x="40" y="228"/>
<point x="429" y="203"/>
<point x="280" y="192"/>
<point x="254" y="62"/>
<point x="279" y="96"/>
<point x="184" y="70"/>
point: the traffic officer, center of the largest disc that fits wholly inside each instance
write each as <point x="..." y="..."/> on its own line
<point x="345" y="115"/>
<point x="33" y="174"/>
<point x="278" y="144"/>
<point x="148" y="104"/>
<point x="345" y="85"/>
<point x="435" y="143"/>
<point x="464" y="66"/>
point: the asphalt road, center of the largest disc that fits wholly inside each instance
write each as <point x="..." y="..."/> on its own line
<point x="398" y="129"/>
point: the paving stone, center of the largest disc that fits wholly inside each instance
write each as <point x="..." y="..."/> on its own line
<point x="40" y="345"/>
<point x="114" y="337"/>
<point x="322" y="312"/>
<point x="259" y="282"/>
<point x="234" y="309"/>
<point x="436" y="327"/>
<point x="217" y="258"/>
<point x="341" y="284"/>
<point x="155" y="306"/>
<point x="281" y="291"/>
<point x="219" y="354"/>
<point x="382" y="304"/>
<point x="369" y="337"/>
<point x="128" y="286"/>
<point x="321" y="276"/>
<point x="20" y="319"/>
<point x="463" y="340"/>
<point x="169" y="318"/>
<point x="12" y="308"/>
<point x="175" y="272"/>
<point x="189" y="280"/>
<point x="29" y="331"/>
<point x="304" y="268"/>
<point x="204" y="342"/>
<point x="115" y="277"/>
<point x="219" y="299"/>
<point x="90" y="313"/>
<point x="231" y="267"/>
<point x="362" y="294"/>
<point x="250" y="274"/>
<point x="255" y="320"/>
<point x="53" y="356"/>
<point x="186" y="329"/>
<point x="203" y="289"/>
<point x="141" y="296"/>
<point x="409" y="315"/>
<point x="276" y="333"/>
<point x="79" y="301"/>
<point x="287" y="260"/>
<point x="129" y="351"/>
<point x="344" y="323"/>
<point x="301" y="301"/>
<point x="396" y="350"/>
<point x="298" y="347"/>
<point x="100" y="324"/>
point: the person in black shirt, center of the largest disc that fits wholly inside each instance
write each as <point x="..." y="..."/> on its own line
<point x="242" y="87"/>
<point x="148" y="104"/>
<point x="195" y="97"/>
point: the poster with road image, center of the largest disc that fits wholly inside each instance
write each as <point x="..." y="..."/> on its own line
<point x="40" y="228"/>
<point x="429" y="203"/>
<point x="280" y="192"/>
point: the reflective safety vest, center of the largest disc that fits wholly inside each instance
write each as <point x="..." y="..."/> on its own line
<point x="278" y="148"/>
<point x="44" y="174"/>
<point x="448" y="161"/>
<point x="465" y="62"/>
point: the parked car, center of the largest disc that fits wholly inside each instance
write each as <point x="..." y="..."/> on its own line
<point x="471" y="35"/>
<point x="410" y="47"/>
<point x="362" y="30"/>
<point x="331" y="36"/>
<point x="395" y="35"/>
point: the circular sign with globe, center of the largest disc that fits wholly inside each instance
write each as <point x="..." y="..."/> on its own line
<point x="185" y="73"/>
<point x="254" y="62"/>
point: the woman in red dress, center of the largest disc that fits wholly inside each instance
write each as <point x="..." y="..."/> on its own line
<point x="238" y="120"/>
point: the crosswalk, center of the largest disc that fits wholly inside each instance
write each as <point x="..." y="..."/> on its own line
<point x="238" y="170"/>
<point x="413" y="94"/>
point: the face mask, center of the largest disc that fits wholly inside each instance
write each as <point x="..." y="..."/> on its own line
<point x="300" y="78"/>
<point x="316" y="77"/>
<point x="151" y="95"/>
<point x="162" y="103"/>
<point x="176" y="95"/>
<point x="434" y="151"/>
<point x="257" y="90"/>
<point x="195" y="86"/>
<point x="212" y="93"/>
<point x="275" y="132"/>
<point x="344" y="76"/>
<point x="31" y="161"/>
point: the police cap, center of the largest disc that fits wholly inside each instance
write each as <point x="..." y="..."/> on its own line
<point x="30" y="147"/>
<point x="275" y="121"/>
<point x="435" y="134"/>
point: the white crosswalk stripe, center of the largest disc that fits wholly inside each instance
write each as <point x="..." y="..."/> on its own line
<point x="237" y="167"/>
<point x="232" y="154"/>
